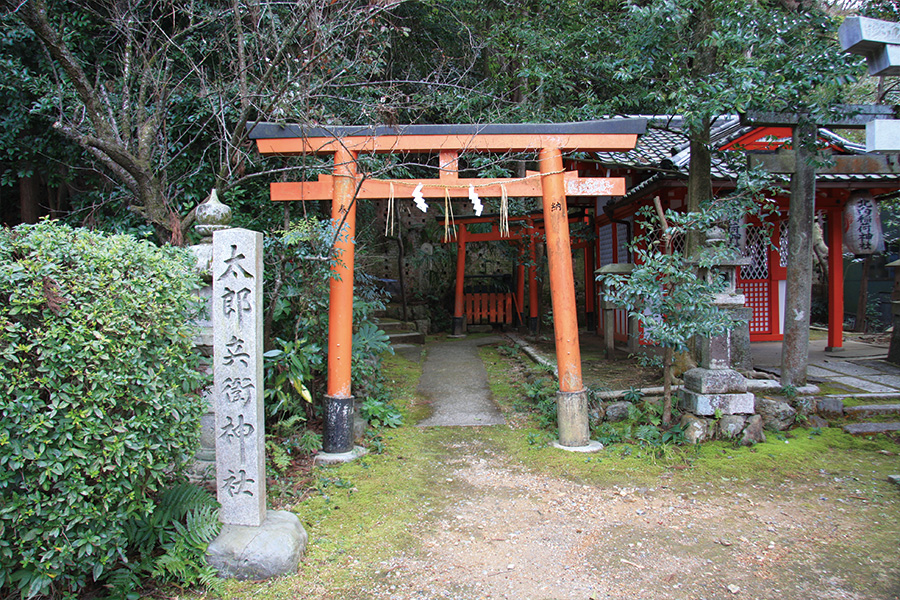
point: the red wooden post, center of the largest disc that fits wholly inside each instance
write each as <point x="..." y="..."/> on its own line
<point x="458" y="304"/>
<point x="571" y="402"/>
<point x="590" y="291"/>
<point x="835" y="280"/>
<point x="520" y="287"/>
<point x="339" y="408"/>
<point x="532" y="279"/>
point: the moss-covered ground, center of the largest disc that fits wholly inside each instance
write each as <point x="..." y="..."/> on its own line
<point x="362" y="515"/>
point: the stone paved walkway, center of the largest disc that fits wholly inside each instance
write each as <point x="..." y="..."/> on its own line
<point x="859" y="367"/>
<point x="455" y="382"/>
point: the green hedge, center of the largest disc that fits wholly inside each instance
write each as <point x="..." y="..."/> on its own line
<point x="99" y="397"/>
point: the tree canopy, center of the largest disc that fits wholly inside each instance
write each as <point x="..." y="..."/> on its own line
<point x="149" y="101"/>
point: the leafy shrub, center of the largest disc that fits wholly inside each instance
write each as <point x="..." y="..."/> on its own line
<point x="298" y="272"/>
<point x="99" y="397"/>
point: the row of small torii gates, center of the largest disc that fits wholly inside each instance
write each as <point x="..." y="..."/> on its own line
<point x="552" y="183"/>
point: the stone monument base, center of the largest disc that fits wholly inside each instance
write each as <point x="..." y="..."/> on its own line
<point x="592" y="446"/>
<point x="334" y="458"/>
<point x="727" y="404"/>
<point x="272" y="549"/>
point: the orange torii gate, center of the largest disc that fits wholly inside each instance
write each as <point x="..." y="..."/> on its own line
<point x="552" y="183"/>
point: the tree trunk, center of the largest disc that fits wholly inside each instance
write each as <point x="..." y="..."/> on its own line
<point x="29" y="198"/>
<point x="667" y="386"/>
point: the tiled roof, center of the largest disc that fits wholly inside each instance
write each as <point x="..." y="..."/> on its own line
<point x="665" y="148"/>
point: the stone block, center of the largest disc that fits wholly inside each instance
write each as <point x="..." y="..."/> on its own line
<point x="715" y="352"/>
<point x="237" y="302"/>
<point x="726" y="404"/>
<point x="883" y="136"/>
<point x="741" y="354"/>
<point x="776" y="415"/>
<point x="862" y="35"/>
<point x="273" y="548"/>
<point x="714" y="381"/>
<point x="830" y="407"/>
<point x="572" y="416"/>
<point x="617" y="411"/>
<point x="885" y="61"/>
<point x="753" y="432"/>
<point x="696" y="430"/>
<point x="816" y="421"/>
<point x="730" y="426"/>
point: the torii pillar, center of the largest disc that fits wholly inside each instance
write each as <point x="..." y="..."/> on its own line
<point x="571" y="400"/>
<point x="339" y="402"/>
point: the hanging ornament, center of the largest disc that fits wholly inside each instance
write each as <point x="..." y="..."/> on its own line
<point x="419" y="198"/>
<point x="389" y="221"/>
<point x="504" y="211"/>
<point x="449" y="224"/>
<point x="476" y="201"/>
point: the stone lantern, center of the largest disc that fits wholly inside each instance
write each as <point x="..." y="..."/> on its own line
<point x="714" y="385"/>
<point x="210" y="216"/>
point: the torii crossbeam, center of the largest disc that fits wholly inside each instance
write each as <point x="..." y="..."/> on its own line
<point x="551" y="182"/>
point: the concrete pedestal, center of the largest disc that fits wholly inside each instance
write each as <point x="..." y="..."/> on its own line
<point x="335" y="458"/>
<point x="571" y="414"/>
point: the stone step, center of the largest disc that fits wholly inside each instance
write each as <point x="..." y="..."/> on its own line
<point x="395" y="326"/>
<point x="410" y="337"/>
<point x="871" y="428"/>
<point x="871" y="410"/>
<point x="868" y="396"/>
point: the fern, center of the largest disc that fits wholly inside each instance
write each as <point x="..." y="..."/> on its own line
<point x="169" y="543"/>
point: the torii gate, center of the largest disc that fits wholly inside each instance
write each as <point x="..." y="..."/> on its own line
<point x="552" y="183"/>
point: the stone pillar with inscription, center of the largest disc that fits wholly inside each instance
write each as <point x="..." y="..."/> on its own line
<point x="254" y="543"/>
<point x="238" y="372"/>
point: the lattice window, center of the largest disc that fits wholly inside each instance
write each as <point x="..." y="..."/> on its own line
<point x="757" y="294"/>
<point x="678" y="243"/>
<point x="757" y="250"/>
<point x="783" y="243"/>
<point x="622" y="238"/>
<point x="606" y="246"/>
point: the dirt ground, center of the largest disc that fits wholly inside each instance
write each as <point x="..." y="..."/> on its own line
<point x="510" y="533"/>
<point x="599" y="373"/>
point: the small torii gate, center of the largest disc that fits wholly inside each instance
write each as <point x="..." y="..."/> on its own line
<point x="552" y="183"/>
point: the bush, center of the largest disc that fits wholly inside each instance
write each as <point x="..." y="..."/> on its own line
<point x="99" y="397"/>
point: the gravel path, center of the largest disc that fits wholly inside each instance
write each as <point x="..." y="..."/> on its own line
<point x="510" y="533"/>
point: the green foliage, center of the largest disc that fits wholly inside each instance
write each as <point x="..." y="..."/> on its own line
<point x="706" y="58"/>
<point x="380" y="413"/>
<point x="541" y="399"/>
<point x="287" y="368"/>
<point x="633" y="394"/>
<point x="789" y="391"/>
<point x="643" y="426"/>
<point x="170" y="543"/>
<point x="99" y="397"/>
<point x="664" y="292"/>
